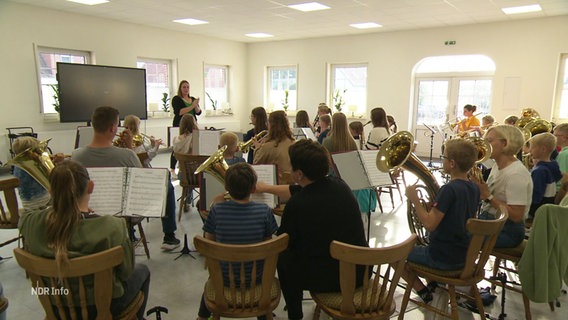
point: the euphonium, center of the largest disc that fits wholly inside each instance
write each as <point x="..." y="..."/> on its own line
<point x="537" y="126"/>
<point x="245" y="147"/>
<point x="36" y="162"/>
<point x="396" y="152"/>
<point x="137" y="140"/>
<point x="215" y="165"/>
<point x="484" y="150"/>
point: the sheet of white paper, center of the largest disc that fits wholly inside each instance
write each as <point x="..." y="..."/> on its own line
<point x="106" y="198"/>
<point x="351" y="170"/>
<point x="146" y="192"/>
<point x="376" y="177"/>
<point x="267" y="174"/>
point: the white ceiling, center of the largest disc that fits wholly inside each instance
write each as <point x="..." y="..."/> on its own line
<point x="232" y="19"/>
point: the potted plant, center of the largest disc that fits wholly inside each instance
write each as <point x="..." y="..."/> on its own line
<point x="285" y="101"/>
<point x="213" y="102"/>
<point x="165" y="102"/>
<point x="338" y="99"/>
<point x="55" y="88"/>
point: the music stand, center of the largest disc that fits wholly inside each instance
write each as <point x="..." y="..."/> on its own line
<point x="432" y="132"/>
<point x="185" y="250"/>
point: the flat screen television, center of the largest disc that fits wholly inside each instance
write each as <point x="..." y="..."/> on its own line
<point x="84" y="87"/>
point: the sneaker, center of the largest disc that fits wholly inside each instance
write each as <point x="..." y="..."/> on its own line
<point x="170" y="242"/>
<point x="425" y="295"/>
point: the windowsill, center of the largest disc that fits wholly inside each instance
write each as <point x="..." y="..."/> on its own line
<point x="158" y="114"/>
<point x="51" y="117"/>
<point x="218" y="113"/>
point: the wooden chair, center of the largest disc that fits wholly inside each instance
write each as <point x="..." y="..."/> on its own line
<point x="397" y="178"/>
<point x="374" y="299"/>
<point x="133" y="221"/>
<point x="3" y="305"/>
<point x="95" y="269"/>
<point x="484" y="234"/>
<point x="247" y="293"/>
<point x="143" y="156"/>
<point x="10" y="215"/>
<point x="188" y="180"/>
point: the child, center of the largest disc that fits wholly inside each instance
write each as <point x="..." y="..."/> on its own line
<point x="356" y="129"/>
<point x="545" y="172"/>
<point x="33" y="195"/>
<point x="184" y="142"/>
<point x="132" y="123"/>
<point x="325" y="126"/>
<point x="230" y="140"/>
<point x="455" y="203"/>
<point x="239" y="220"/>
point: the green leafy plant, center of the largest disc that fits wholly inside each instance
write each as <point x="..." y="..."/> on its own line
<point x="213" y="102"/>
<point x="165" y="102"/>
<point x="285" y="101"/>
<point x="55" y="96"/>
<point x="338" y="101"/>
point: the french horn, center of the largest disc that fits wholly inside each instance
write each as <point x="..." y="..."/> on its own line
<point x="36" y="162"/>
<point x="245" y="147"/>
<point x="396" y="152"/>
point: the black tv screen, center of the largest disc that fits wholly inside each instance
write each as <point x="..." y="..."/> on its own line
<point x="84" y="87"/>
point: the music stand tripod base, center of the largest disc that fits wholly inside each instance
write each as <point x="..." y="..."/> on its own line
<point x="185" y="250"/>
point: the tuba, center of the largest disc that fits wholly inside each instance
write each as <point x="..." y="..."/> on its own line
<point x="537" y="126"/>
<point x="36" y="162"/>
<point x="484" y="150"/>
<point x="396" y="152"/>
<point x="245" y="147"/>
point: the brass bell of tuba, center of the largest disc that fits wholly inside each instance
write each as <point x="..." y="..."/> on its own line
<point x="245" y="147"/>
<point x="396" y="152"/>
<point x="215" y="165"/>
<point x="537" y="126"/>
<point x="36" y="162"/>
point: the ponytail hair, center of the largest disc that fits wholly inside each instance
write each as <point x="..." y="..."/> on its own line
<point x="69" y="182"/>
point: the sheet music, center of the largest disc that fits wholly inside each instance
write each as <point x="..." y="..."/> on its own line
<point x="146" y="192"/>
<point x="106" y="198"/>
<point x="376" y="177"/>
<point x="267" y="174"/>
<point x="351" y="170"/>
<point x="208" y="142"/>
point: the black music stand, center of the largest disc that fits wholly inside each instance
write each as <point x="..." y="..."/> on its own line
<point x="185" y="250"/>
<point x="432" y="133"/>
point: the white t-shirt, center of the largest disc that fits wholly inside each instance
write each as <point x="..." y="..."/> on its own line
<point x="512" y="185"/>
<point x="183" y="143"/>
<point x="376" y="138"/>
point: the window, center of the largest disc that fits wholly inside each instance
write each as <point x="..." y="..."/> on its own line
<point x="561" y="97"/>
<point x="282" y="88"/>
<point x="47" y="59"/>
<point x="215" y="80"/>
<point x="349" y="88"/>
<point x="158" y="82"/>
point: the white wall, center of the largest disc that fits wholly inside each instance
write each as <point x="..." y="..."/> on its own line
<point x="113" y="43"/>
<point x="528" y="49"/>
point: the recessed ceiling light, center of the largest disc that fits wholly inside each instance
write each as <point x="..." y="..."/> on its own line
<point x="522" y="9"/>
<point x="308" y="6"/>
<point x="191" y="22"/>
<point x="259" y="35"/>
<point x="89" y="2"/>
<point x="365" y="25"/>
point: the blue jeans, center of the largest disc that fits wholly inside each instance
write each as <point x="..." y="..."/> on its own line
<point x="169" y="221"/>
<point x="421" y="255"/>
<point x="512" y="234"/>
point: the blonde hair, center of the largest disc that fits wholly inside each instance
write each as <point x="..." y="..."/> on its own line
<point x="230" y="140"/>
<point x="69" y="182"/>
<point x="187" y="124"/>
<point x="512" y="135"/>
<point x="561" y="128"/>
<point x="488" y="118"/>
<point x="341" y="139"/>
<point x="21" y="144"/>
<point x="545" y="139"/>
<point x="132" y="122"/>
<point x="463" y="152"/>
<point x="325" y="119"/>
<point x="511" y="119"/>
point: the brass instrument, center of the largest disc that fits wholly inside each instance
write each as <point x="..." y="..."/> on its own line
<point x="137" y="140"/>
<point x="36" y="162"/>
<point x="523" y="121"/>
<point x="537" y="126"/>
<point x="529" y="112"/>
<point x="484" y="150"/>
<point x="396" y="152"/>
<point x="245" y="147"/>
<point x="215" y="165"/>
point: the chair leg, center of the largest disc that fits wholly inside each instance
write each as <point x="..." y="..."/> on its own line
<point x="392" y="196"/>
<point x="453" y="301"/>
<point x="378" y="193"/>
<point x="527" y="304"/>
<point x="496" y="265"/>
<point x="317" y="312"/>
<point x="405" y="299"/>
<point x="143" y="239"/>
<point x="478" y="302"/>
<point x="184" y="193"/>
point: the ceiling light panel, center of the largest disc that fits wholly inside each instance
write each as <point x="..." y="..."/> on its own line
<point x="522" y="9"/>
<point x="89" y="2"/>
<point x="191" y="22"/>
<point x="308" y="6"/>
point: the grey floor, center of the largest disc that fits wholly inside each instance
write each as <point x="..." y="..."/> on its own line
<point x="178" y="284"/>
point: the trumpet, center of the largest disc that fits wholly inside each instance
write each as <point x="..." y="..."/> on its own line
<point x="148" y="138"/>
<point x="245" y="147"/>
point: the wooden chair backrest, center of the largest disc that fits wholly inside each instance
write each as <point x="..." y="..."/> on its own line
<point x="143" y="156"/>
<point x="43" y="273"/>
<point x="377" y="293"/>
<point x="263" y="254"/>
<point x="484" y="234"/>
<point x="9" y="218"/>
<point x="188" y="163"/>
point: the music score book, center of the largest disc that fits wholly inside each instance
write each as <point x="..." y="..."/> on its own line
<point x="359" y="169"/>
<point x="266" y="173"/>
<point x="129" y="191"/>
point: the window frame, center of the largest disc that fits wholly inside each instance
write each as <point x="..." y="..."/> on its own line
<point x="360" y="110"/>
<point x="38" y="50"/>
<point x="559" y="95"/>
<point x="292" y="101"/>
<point x="170" y="89"/>
<point x="221" y="105"/>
